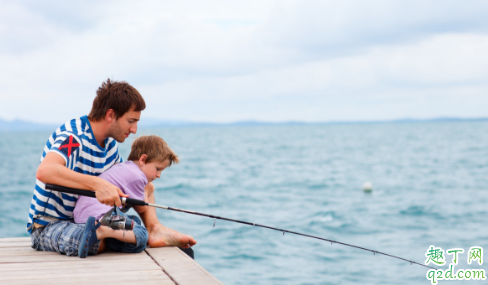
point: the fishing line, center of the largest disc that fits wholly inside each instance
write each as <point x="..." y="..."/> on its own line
<point x="143" y="203"/>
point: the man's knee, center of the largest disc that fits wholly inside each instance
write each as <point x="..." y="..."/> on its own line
<point x="60" y="236"/>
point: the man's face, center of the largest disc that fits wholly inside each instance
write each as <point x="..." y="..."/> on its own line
<point x="124" y="126"/>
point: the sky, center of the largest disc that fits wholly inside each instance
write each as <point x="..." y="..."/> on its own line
<point x="228" y="61"/>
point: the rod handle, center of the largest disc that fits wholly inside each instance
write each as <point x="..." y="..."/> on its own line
<point x="89" y="193"/>
<point x="134" y="202"/>
<point x="63" y="189"/>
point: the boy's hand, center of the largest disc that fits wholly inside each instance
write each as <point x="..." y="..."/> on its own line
<point x="108" y="194"/>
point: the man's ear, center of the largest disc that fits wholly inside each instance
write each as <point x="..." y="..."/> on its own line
<point x="110" y="116"/>
<point x="142" y="159"/>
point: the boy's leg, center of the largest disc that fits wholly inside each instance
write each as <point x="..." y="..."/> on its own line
<point x="160" y="235"/>
<point x="104" y="232"/>
<point x="61" y="236"/>
<point x="135" y="241"/>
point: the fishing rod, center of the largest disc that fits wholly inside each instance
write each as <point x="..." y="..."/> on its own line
<point x="137" y="202"/>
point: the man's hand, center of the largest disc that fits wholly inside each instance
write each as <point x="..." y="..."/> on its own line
<point x="108" y="193"/>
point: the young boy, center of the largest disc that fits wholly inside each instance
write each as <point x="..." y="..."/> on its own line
<point x="148" y="157"/>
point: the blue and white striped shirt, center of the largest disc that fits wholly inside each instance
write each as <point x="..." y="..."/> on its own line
<point x="75" y="142"/>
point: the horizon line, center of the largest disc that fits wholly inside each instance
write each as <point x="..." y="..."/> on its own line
<point x="18" y="124"/>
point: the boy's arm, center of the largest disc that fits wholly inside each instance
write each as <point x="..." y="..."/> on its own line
<point x="140" y="209"/>
<point x="149" y="216"/>
<point x="53" y="170"/>
<point x="149" y="188"/>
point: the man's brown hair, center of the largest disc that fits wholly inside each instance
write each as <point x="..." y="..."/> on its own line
<point x="155" y="148"/>
<point x="119" y="96"/>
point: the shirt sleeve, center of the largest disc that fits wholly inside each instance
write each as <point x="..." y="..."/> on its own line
<point x="68" y="146"/>
<point x="135" y="189"/>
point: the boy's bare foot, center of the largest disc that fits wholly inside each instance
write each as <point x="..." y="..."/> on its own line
<point x="160" y="236"/>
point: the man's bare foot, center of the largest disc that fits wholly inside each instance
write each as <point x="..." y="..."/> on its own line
<point x="160" y="236"/>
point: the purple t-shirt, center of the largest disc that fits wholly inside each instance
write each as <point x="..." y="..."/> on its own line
<point x="127" y="176"/>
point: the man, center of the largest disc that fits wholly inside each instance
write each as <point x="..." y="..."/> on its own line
<point x="75" y="154"/>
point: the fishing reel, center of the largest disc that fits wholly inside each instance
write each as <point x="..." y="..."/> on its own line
<point x="117" y="220"/>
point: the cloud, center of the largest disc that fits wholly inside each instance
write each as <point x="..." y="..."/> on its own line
<point x="415" y="80"/>
<point x="262" y="60"/>
<point x="332" y="27"/>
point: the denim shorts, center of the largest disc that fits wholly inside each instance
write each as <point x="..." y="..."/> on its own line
<point x="60" y="236"/>
<point x="65" y="236"/>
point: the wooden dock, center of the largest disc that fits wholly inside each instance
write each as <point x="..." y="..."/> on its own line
<point x="20" y="264"/>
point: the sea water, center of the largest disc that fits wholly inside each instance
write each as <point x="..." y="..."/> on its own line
<point x="430" y="187"/>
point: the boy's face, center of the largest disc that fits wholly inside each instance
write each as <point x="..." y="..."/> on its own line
<point x="153" y="169"/>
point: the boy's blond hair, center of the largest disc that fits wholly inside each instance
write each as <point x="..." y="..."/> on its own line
<point x="154" y="147"/>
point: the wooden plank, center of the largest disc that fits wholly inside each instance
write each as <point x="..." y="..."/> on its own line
<point x="22" y="251"/>
<point x="84" y="274"/>
<point x="53" y="256"/>
<point x="16" y="248"/>
<point x="20" y="239"/>
<point x="118" y="281"/>
<point x="28" y="252"/>
<point x="32" y="252"/>
<point x="53" y="268"/>
<point x="59" y="266"/>
<point x="133" y="279"/>
<point x="108" y="254"/>
<point x="20" y="264"/>
<point x="14" y="244"/>
<point x="148" y="282"/>
<point x="75" y="259"/>
<point x="180" y="267"/>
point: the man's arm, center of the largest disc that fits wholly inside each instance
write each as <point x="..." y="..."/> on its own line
<point x="53" y="170"/>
